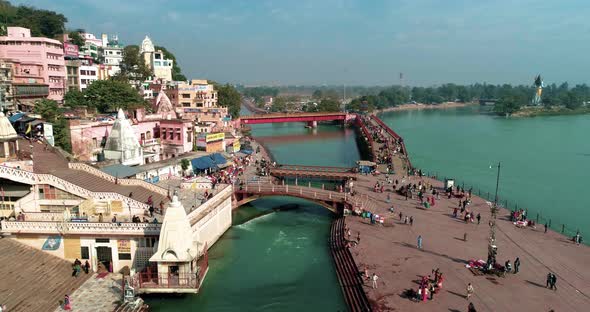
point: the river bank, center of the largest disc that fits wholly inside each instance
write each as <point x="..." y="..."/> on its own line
<point x="532" y="111"/>
<point x="418" y="106"/>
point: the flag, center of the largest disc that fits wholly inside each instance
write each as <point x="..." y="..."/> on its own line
<point x="28" y="129"/>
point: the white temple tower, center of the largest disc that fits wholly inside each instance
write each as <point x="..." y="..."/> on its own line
<point x="122" y="144"/>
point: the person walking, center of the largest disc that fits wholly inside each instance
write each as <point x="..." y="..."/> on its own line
<point x="67" y="304"/>
<point x="546" y="227"/>
<point x="419" y="241"/>
<point x="470" y="290"/>
<point x="411" y="220"/>
<point x="516" y="265"/>
<point x="471" y="307"/>
<point x="374" y="278"/>
<point x="478" y="218"/>
<point x="553" y="281"/>
<point x="549" y="279"/>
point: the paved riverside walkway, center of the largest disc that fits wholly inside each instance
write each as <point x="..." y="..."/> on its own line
<point x="97" y="294"/>
<point x="390" y="252"/>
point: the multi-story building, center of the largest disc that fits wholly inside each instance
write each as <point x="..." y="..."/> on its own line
<point x="161" y="67"/>
<point x="197" y="100"/>
<point x="113" y="56"/>
<point x="6" y="85"/>
<point x="39" y="65"/>
<point x="88" y="74"/>
<point x="73" y="75"/>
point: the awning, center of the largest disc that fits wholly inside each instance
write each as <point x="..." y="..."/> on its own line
<point x="15" y="117"/>
<point x="202" y="163"/>
<point x="120" y="171"/>
<point x="218" y="159"/>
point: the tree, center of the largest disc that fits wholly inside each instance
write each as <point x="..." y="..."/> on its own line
<point x="49" y="110"/>
<point x="279" y="104"/>
<point x="133" y="67"/>
<point x="228" y="96"/>
<point x="317" y="94"/>
<point x="106" y="96"/>
<point x="76" y="38"/>
<point x="184" y="164"/>
<point x="42" y="23"/>
<point x="328" y="105"/>
<point x="176" y="71"/>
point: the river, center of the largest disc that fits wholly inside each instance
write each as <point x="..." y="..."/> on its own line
<point x="276" y="261"/>
<point x="545" y="161"/>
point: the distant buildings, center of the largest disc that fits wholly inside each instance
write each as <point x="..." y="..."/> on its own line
<point x="38" y="67"/>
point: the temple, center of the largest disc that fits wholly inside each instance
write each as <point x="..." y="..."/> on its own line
<point x="8" y="138"/>
<point x="122" y="145"/>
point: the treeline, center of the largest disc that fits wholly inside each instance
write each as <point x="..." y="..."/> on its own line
<point x="508" y="98"/>
<point x="43" y="23"/>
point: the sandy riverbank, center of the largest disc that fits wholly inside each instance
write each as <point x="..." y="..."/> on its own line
<point x="418" y="106"/>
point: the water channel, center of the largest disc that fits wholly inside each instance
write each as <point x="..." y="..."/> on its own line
<point x="276" y="261"/>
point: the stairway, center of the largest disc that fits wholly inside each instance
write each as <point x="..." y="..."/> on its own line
<point x="346" y="269"/>
<point x="48" y="161"/>
<point x="33" y="280"/>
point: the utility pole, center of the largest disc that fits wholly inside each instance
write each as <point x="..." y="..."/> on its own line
<point x="492" y="248"/>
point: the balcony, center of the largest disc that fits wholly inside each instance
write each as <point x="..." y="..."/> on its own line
<point x="82" y="228"/>
<point x="150" y="142"/>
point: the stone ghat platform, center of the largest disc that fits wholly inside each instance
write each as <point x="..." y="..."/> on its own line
<point x="389" y="250"/>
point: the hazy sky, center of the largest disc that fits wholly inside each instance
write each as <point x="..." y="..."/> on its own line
<point x="363" y="42"/>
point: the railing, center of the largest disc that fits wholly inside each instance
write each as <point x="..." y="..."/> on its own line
<point x="281" y="115"/>
<point x="44" y="216"/>
<point x="140" y="229"/>
<point x="32" y="178"/>
<point x="196" y="215"/>
<point x="167" y="280"/>
<point x="368" y="136"/>
<point x="314" y="168"/>
<point x="110" y="178"/>
<point x="358" y="201"/>
<point x="395" y="135"/>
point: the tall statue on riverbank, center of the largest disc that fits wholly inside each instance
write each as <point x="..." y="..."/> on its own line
<point x="538" y="91"/>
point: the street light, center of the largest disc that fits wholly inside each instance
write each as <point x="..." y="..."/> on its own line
<point x="492" y="248"/>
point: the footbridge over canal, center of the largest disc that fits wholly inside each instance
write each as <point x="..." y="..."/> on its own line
<point x="311" y="118"/>
<point x="333" y="201"/>
<point x="320" y="172"/>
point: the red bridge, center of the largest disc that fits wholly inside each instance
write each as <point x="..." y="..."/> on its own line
<point x="322" y="172"/>
<point x="295" y="117"/>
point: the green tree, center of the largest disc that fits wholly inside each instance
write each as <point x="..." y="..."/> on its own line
<point x="184" y="164"/>
<point x="49" y="110"/>
<point x="75" y="98"/>
<point x="279" y="104"/>
<point x="176" y="71"/>
<point x="228" y="96"/>
<point x="76" y="38"/>
<point x="328" y="105"/>
<point x="317" y="94"/>
<point x="42" y="23"/>
<point x="110" y="95"/>
<point x="133" y="67"/>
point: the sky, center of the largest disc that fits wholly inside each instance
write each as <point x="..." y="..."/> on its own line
<point x="352" y="42"/>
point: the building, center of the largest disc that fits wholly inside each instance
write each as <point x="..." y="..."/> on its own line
<point x="197" y="100"/>
<point x="155" y="61"/>
<point x="73" y="75"/>
<point x="88" y="74"/>
<point x="122" y="145"/>
<point x="157" y="134"/>
<point x="38" y="66"/>
<point x="8" y="139"/>
<point x="113" y="56"/>
<point x="6" y="102"/>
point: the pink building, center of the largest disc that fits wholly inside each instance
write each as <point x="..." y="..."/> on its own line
<point x="40" y="61"/>
<point x="160" y="137"/>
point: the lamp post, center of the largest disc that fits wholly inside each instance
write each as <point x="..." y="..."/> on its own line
<point x="492" y="248"/>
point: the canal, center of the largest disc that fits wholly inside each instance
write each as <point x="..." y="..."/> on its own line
<point x="276" y="261"/>
<point x="545" y="161"/>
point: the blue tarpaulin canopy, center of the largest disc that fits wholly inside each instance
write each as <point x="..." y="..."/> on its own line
<point x="15" y="117"/>
<point x="202" y="163"/>
<point x="218" y="159"/>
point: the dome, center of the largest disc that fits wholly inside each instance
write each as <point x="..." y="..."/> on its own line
<point x="7" y="132"/>
<point x="147" y="45"/>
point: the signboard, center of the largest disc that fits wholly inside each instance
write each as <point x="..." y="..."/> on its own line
<point x="52" y="243"/>
<point x="124" y="246"/>
<point x="48" y="133"/>
<point x="215" y="137"/>
<point x="237" y="146"/>
<point x="201" y="142"/>
<point x="194" y="88"/>
<point x="70" y="49"/>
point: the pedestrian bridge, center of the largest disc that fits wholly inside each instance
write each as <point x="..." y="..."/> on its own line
<point x="333" y="201"/>
<point x="322" y="172"/>
<point x="295" y="117"/>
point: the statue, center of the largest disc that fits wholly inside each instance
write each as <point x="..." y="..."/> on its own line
<point x="539" y="90"/>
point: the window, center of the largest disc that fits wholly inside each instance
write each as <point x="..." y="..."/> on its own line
<point x="189" y="132"/>
<point x="171" y="134"/>
<point x="186" y="96"/>
<point x="164" y="133"/>
<point x="124" y="256"/>
<point x="185" y="104"/>
<point x="147" y="241"/>
<point x="102" y="240"/>
<point x="84" y="253"/>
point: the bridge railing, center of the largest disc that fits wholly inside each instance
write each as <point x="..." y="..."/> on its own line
<point x="357" y="201"/>
<point x="314" y="168"/>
